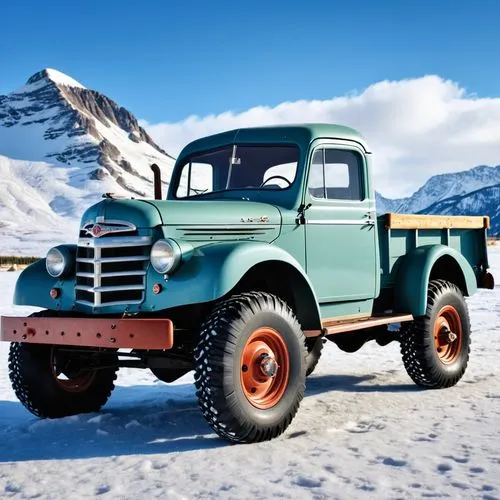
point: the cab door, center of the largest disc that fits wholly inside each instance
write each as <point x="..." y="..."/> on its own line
<point x="340" y="225"/>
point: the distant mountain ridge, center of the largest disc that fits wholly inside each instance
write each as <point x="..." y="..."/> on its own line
<point x="484" y="201"/>
<point x="468" y="192"/>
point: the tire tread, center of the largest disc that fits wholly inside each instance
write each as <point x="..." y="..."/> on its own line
<point x="415" y="349"/>
<point x="219" y="335"/>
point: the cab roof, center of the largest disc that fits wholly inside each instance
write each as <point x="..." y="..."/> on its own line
<point x="299" y="133"/>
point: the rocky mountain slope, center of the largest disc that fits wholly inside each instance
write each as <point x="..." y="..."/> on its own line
<point x="62" y="146"/>
<point x="469" y="192"/>
<point x="440" y="187"/>
<point x="485" y="201"/>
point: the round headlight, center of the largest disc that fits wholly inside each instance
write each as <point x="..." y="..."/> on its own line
<point x="165" y="256"/>
<point x="55" y="262"/>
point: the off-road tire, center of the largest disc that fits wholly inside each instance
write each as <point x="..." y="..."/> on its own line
<point x="420" y="355"/>
<point x="314" y="347"/>
<point x="39" y="391"/>
<point x="218" y="358"/>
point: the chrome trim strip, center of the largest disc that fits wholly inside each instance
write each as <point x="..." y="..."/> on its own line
<point x="97" y="276"/>
<point x="104" y="260"/>
<point x="116" y="303"/>
<point x="113" y="275"/>
<point x="101" y="289"/>
<point x="354" y="222"/>
<point x="85" y="303"/>
<point x="115" y="242"/>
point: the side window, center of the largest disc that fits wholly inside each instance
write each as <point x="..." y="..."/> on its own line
<point x="196" y="178"/>
<point x="341" y="175"/>
<point x="316" y="177"/>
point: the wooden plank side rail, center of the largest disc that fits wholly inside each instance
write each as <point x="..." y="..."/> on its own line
<point x="333" y="327"/>
<point x="411" y="221"/>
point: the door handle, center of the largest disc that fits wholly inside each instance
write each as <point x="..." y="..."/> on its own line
<point x="369" y="219"/>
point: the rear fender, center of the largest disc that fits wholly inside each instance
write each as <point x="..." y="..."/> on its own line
<point x="415" y="271"/>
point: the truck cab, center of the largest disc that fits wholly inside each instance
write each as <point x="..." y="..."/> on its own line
<point x="317" y="178"/>
<point x="266" y="246"/>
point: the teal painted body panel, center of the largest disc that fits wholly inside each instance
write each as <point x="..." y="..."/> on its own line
<point x="354" y="308"/>
<point x="214" y="220"/>
<point x="141" y="213"/>
<point x="414" y="275"/>
<point x="341" y="245"/>
<point x="33" y="289"/>
<point x="299" y="134"/>
<point x="396" y="244"/>
<point x="341" y="257"/>
<point x="211" y="271"/>
<point x="216" y="268"/>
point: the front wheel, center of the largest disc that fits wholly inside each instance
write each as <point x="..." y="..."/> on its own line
<point x="436" y="347"/>
<point x="52" y="383"/>
<point x="250" y="367"/>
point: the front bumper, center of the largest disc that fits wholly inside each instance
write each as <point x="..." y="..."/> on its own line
<point x="133" y="333"/>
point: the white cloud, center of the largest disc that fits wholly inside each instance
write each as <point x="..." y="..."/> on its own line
<point x="416" y="128"/>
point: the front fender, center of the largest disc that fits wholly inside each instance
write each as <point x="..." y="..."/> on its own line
<point x="33" y="288"/>
<point x="414" y="273"/>
<point x="210" y="272"/>
<point x="214" y="270"/>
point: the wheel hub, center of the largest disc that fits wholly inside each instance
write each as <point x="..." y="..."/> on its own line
<point x="268" y="365"/>
<point x="448" y="334"/>
<point x="264" y="368"/>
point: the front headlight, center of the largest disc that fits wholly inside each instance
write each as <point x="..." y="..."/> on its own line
<point x="55" y="262"/>
<point x="166" y="256"/>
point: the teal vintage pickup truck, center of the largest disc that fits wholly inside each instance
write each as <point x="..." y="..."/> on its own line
<point x="266" y="246"/>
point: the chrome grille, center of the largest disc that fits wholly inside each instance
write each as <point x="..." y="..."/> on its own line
<point x="111" y="270"/>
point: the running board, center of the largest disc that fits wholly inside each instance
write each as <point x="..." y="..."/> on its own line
<point x="333" y="327"/>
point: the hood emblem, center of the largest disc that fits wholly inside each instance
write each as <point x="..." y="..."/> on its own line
<point x="262" y="218"/>
<point x="106" y="227"/>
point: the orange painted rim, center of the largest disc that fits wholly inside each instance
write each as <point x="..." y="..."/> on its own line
<point x="264" y="368"/>
<point x="70" y="384"/>
<point x="448" y="334"/>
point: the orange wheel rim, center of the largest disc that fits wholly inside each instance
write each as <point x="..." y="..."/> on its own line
<point x="264" y="368"/>
<point x="448" y="334"/>
<point x="70" y="384"/>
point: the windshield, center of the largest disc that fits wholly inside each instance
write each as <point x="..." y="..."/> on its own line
<point x="236" y="168"/>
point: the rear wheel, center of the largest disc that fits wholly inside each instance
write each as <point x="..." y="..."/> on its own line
<point x="52" y="383"/>
<point x="250" y="367"/>
<point x="314" y="347"/>
<point x="436" y="347"/>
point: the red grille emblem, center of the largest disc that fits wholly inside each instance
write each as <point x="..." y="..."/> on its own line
<point x="96" y="231"/>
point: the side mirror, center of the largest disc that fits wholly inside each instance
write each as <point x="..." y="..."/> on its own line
<point x="157" y="180"/>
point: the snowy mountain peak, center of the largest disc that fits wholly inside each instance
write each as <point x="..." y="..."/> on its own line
<point x="66" y="145"/>
<point x="52" y="75"/>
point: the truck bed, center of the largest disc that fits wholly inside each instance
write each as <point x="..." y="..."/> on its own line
<point x="399" y="234"/>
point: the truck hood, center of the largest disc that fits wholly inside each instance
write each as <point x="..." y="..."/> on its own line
<point x="139" y="212"/>
<point x="208" y="220"/>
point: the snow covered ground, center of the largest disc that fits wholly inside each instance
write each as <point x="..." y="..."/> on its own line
<point x="363" y="431"/>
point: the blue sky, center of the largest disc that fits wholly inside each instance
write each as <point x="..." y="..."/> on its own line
<point x="166" y="60"/>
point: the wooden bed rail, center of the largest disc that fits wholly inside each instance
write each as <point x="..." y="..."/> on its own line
<point x="410" y="221"/>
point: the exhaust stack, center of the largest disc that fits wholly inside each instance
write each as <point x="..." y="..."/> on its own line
<point x="157" y="180"/>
